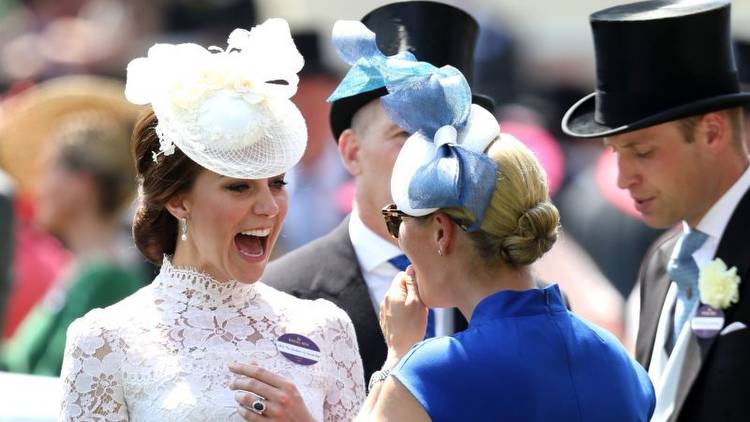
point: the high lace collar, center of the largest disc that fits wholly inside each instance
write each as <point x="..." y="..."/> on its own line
<point x="191" y="286"/>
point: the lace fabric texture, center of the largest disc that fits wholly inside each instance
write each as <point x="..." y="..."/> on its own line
<point x="162" y="354"/>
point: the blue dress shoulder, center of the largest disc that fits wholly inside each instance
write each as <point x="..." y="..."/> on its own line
<point x="524" y="357"/>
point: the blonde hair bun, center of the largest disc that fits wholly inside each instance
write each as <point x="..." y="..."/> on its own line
<point x="536" y="232"/>
<point x="521" y="223"/>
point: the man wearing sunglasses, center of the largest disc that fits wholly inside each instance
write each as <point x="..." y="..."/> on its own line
<point x="353" y="266"/>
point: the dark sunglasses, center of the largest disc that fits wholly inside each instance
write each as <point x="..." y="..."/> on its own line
<point x="393" y="217"/>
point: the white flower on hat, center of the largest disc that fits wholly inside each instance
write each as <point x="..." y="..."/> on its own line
<point x="719" y="286"/>
<point x="228" y="110"/>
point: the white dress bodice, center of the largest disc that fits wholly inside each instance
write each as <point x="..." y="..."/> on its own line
<point x="162" y="354"/>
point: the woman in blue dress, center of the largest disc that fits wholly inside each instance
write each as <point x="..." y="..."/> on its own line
<point x="472" y="212"/>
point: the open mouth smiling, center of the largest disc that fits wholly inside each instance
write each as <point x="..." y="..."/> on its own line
<point x="252" y="244"/>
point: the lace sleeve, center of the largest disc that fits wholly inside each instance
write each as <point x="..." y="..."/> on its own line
<point x="91" y="377"/>
<point x="345" y="397"/>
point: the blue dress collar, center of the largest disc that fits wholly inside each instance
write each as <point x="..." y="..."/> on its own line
<point x="513" y="303"/>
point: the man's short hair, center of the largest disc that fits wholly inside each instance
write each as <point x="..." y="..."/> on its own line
<point x="736" y="122"/>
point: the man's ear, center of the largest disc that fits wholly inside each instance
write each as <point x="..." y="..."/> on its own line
<point x="177" y="206"/>
<point x="445" y="233"/>
<point x="349" y="144"/>
<point x="714" y="130"/>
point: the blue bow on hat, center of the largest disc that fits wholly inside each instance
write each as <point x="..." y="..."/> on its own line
<point x="443" y="163"/>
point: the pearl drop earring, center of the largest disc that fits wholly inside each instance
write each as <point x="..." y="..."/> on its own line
<point x="183" y="228"/>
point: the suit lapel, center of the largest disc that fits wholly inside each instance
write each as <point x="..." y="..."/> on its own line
<point x="340" y="280"/>
<point x="341" y="268"/>
<point x="734" y="250"/>
<point x="654" y="287"/>
<point x="348" y="286"/>
<point x="651" y="311"/>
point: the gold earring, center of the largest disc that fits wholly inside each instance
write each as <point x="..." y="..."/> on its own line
<point x="183" y="228"/>
<point x="440" y="252"/>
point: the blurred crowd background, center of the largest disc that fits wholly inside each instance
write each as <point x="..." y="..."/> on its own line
<point x="66" y="182"/>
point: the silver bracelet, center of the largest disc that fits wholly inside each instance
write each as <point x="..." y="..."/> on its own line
<point x="376" y="377"/>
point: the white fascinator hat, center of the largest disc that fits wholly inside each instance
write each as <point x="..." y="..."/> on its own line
<point x="229" y="110"/>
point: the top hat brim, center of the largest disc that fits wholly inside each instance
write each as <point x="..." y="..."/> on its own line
<point x="579" y="121"/>
<point x="343" y="110"/>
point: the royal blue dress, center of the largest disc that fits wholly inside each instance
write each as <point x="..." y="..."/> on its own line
<point x="524" y="357"/>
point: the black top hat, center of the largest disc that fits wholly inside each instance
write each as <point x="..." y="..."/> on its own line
<point x="657" y="61"/>
<point x="742" y="56"/>
<point x="434" y="32"/>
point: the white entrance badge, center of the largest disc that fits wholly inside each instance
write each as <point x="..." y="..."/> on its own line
<point x="298" y="349"/>
<point x="707" y="322"/>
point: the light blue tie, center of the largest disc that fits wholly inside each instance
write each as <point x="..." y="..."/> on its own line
<point x="684" y="271"/>
<point x="401" y="262"/>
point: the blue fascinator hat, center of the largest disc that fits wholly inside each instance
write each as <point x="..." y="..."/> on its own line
<point x="437" y="33"/>
<point x="443" y="164"/>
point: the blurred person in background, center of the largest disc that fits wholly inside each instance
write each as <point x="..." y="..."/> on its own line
<point x="7" y="235"/>
<point x="669" y="104"/>
<point x="589" y="292"/>
<point x="42" y="39"/>
<point x="316" y="182"/>
<point x="38" y="260"/>
<point x="85" y="182"/>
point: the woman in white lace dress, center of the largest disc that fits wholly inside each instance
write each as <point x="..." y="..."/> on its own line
<point x="211" y="159"/>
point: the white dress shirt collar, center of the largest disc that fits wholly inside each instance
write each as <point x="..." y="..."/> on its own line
<point x="373" y="253"/>
<point x="716" y="219"/>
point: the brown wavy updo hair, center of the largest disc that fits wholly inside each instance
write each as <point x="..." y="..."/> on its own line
<point x="154" y="228"/>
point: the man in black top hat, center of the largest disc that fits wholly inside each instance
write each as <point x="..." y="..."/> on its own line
<point x="668" y="102"/>
<point x="354" y="265"/>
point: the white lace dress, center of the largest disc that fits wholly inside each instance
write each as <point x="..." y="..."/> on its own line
<point x="162" y="354"/>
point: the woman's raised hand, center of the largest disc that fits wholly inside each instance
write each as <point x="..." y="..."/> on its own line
<point x="403" y="316"/>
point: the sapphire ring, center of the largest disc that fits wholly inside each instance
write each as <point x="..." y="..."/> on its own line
<point x="258" y="405"/>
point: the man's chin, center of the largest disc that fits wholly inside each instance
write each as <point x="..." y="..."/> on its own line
<point x="658" y="222"/>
